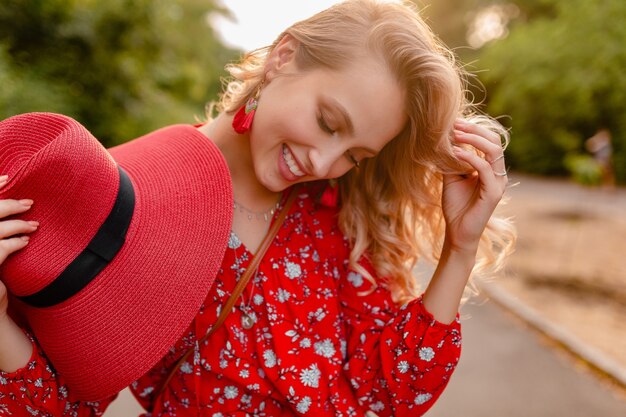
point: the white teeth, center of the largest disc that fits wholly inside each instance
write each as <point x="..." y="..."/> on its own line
<point x="291" y="163"/>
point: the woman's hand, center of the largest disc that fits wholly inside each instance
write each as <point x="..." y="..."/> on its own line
<point x="13" y="236"/>
<point x="15" y="347"/>
<point x="469" y="200"/>
<point x="468" y="203"/>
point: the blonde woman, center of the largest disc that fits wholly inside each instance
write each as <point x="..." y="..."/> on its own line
<point x="363" y="113"/>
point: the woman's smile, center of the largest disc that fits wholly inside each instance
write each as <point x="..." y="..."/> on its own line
<point x="292" y="163"/>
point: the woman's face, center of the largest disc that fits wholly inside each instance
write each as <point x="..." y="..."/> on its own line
<point x="316" y="124"/>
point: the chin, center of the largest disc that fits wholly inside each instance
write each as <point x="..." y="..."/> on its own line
<point x="273" y="185"/>
<point x="275" y="188"/>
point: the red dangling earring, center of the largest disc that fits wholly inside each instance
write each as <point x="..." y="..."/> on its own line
<point x="242" y="122"/>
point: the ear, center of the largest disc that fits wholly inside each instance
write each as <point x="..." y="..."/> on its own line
<point x="282" y="57"/>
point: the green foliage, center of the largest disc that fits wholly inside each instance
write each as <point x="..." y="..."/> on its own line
<point x="560" y="76"/>
<point x="23" y="91"/>
<point x="121" y="67"/>
<point x="584" y="169"/>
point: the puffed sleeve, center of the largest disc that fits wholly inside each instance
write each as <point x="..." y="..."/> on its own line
<point x="37" y="390"/>
<point x="399" y="357"/>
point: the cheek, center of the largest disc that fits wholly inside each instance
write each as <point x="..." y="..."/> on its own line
<point x="339" y="168"/>
<point x="288" y="115"/>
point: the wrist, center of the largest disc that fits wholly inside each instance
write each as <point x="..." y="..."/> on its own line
<point x="465" y="254"/>
<point x="444" y="292"/>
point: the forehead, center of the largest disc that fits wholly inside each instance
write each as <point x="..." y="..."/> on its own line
<point x="371" y="96"/>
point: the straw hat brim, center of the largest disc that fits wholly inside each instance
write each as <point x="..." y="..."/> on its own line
<point x="114" y="330"/>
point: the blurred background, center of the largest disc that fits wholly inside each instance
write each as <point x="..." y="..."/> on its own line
<point x="554" y="70"/>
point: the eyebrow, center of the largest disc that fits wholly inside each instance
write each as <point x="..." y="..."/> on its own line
<point x="348" y="121"/>
<point x="344" y="113"/>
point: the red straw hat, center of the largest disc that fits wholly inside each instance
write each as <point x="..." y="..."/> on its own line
<point x="129" y="243"/>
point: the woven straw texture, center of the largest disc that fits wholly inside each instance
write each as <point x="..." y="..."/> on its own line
<point x="109" y="334"/>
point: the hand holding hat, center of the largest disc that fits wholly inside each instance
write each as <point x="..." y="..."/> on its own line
<point x="129" y="243"/>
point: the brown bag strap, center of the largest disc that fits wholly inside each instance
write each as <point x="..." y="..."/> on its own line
<point x="243" y="281"/>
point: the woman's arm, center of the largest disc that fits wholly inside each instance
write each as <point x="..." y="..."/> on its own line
<point x="15" y="347"/>
<point x="400" y="359"/>
<point x="444" y="292"/>
<point x="468" y="202"/>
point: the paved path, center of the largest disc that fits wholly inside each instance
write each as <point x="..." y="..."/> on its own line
<point x="507" y="370"/>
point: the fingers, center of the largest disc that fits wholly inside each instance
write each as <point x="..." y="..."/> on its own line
<point x="9" y="207"/>
<point x="485" y="172"/>
<point x="8" y="246"/>
<point x="485" y="141"/>
<point x="10" y="228"/>
<point x="12" y="232"/>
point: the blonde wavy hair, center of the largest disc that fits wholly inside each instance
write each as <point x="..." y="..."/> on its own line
<point x="391" y="206"/>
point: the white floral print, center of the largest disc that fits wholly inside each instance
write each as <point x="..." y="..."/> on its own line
<point x="233" y="241"/>
<point x="325" y="348"/>
<point x="303" y="405"/>
<point x="403" y="367"/>
<point x="258" y="299"/>
<point x="292" y="270"/>
<point x="427" y="354"/>
<point x="231" y="392"/>
<point x="356" y="279"/>
<point x="270" y="358"/>
<point x="422" y="398"/>
<point x="283" y="295"/>
<point x="310" y="377"/>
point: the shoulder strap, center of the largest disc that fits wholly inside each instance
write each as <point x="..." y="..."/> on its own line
<point x="243" y="281"/>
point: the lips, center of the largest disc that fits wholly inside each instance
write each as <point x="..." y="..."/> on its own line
<point x="293" y="166"/>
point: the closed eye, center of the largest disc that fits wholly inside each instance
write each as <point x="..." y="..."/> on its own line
<point x="324" y="126"/>
<point x="352" y="159"/>
<point x="321" y="121"/>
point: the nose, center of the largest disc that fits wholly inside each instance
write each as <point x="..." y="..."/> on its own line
<point x="323" y="159"/>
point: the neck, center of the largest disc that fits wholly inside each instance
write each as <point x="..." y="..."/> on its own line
<point x="247" y="189"/>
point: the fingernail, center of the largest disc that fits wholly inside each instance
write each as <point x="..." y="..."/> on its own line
<point x="25" y="238"/>
<point x="26" y="202"/>
<point x="33" y="223"/>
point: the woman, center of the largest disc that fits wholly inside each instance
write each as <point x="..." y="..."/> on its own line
<point x="363" y="113"/>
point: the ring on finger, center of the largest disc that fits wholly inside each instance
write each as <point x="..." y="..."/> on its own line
<point x="501" y="174"/>
<point x="497" y="159"/>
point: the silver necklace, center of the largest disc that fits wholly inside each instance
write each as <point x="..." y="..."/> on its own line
<point x="258" y="215"/>
<point x="248" y="317"/>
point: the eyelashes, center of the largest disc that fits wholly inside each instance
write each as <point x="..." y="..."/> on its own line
<point x="324" y="126"/>
<point x="321" y="121"/>
<point x="352" y="159"/>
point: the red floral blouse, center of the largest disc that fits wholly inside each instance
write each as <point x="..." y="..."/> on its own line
<point x="323" y="342"/>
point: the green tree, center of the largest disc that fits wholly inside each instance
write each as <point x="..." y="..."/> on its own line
<point x="559" y="75"/>
<point x="121" y="67"/>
